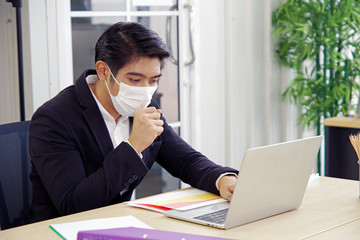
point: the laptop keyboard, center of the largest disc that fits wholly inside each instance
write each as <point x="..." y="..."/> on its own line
<point x="214" y="217"/>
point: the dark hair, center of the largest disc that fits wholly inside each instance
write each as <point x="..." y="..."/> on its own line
<point x="123" y="42"/>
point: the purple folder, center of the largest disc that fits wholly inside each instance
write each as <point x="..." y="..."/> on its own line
<point x="132" y="233"/>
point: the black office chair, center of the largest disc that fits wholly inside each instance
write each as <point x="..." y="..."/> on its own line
<point x="15" y="186"/>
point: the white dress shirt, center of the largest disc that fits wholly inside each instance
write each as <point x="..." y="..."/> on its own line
<point x="119" y="131"/>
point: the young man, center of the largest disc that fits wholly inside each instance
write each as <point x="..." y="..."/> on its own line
<point x="94" y="142"/>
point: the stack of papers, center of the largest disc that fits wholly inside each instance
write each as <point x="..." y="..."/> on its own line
<point x="178" y="200"/>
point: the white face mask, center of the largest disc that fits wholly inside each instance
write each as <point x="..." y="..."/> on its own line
<point x="130" y="98"/>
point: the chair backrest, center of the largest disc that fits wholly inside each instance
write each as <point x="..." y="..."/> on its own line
<point x="15" y="185"/>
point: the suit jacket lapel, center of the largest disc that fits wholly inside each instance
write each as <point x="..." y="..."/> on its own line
<point x="92" y="113"/>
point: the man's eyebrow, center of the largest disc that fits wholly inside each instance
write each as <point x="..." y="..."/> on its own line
<point x="142" y="75"/>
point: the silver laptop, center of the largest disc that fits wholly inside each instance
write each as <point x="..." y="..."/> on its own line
<point x="272" y="180"/>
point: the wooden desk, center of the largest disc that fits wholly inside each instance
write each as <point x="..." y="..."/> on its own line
<point x="328" y="202"/>
<point x="340" y="157"/>
<point x="347" y="122"/>
<point x="350" y="230"/>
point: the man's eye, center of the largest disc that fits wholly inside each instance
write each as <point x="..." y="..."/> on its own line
<point x="134" y="80"/>
<point x="155" y="81"/>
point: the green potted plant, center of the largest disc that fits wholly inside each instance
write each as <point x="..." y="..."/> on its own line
<point x="320" y="40"/>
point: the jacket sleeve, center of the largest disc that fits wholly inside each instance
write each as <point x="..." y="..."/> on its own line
<point x="182" y="161"/>
<point x="60" y="160"/>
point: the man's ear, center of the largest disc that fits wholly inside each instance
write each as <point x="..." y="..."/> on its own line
<point x="102" y="70"/>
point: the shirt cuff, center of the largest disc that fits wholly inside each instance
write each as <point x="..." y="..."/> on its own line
<point x="224" y="174"/>
<point x="140" y="155"/>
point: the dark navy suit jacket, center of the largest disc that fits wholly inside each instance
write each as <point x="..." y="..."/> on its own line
<point x="75" y="167"/>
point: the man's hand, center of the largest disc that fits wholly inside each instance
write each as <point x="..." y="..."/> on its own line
<point x="226" y="186"/>
<point x="146" y="127"/>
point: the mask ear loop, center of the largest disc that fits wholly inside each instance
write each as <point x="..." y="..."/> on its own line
<point x="113" y="78"/>
<point x="113" y="75"/>
<point x="108" y="88"/>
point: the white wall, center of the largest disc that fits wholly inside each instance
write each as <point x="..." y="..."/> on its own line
<point x="237" y="81"/>
<point x="208" y="80"/>
<point x="50" y="43"/>
<point x="44" y="22"/>
<point x="9" y="91"/>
